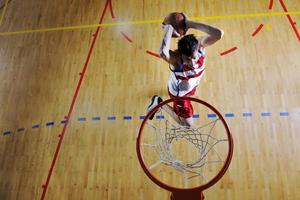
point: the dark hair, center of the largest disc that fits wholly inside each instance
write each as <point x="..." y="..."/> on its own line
<point x="188" y="44"/>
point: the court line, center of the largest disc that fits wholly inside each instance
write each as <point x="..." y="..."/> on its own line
<point x="153" y="54"/>
<point x="257" y="30"/>
<point x="81" y="119"/>
<point x="265" y="114"/>
<point x="126" y="37"/>
<point x="160" y="117"/>
<point x="247" y="114"/>
<point x="3" y="12"/>
<point x="211" y="115"/>
<point x="196" y="116"/>
<point x="229" y="115"/>
<point x="50" y="124"/>
<point x="20" y="129"/>
<point x="63" y="121"/>
<point x="127" y="118"/>
<point x="284" y="114"/>
<point x="7" y="133"/>
<point x="228" y="51"/>
<point x="111" y="10"/>
<point x="96" y="118"/>
<point x="142" y="22"/>
<point x="111" y="118"/>
<point x="271" y="4"/>
<point x="61" y="136"/>
<point x="130" y="117"/>
<point x="290" y="19"/>
<point x="36" y="126"/>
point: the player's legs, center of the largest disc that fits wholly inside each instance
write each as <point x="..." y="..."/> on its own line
<point x="180" y="120"/>
<point x="181" y="112"/>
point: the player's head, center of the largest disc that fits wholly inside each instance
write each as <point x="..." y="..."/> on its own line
<point x="187" y="45"/>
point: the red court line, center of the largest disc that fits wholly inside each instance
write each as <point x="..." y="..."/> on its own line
<point x="290" y="19"/>
<point x="111" y="9"/>
<point x="61" y="136"/>
<point x="228" y="51"/>
<point x="153" y="54"/>
<point x="113" y="16"/>
<point x="257" y="30"/>
<point x="126" y="36"/>
<point x="271" y="4"/>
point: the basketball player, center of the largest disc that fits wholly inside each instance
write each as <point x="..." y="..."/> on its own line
<point x="187" y="65"/>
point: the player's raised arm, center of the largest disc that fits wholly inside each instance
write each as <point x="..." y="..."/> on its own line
<point x="164" y="49"/>
<point x="213" y="33"/>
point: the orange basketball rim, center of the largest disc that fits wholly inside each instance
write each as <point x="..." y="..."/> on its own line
<point x="185" y="160"/>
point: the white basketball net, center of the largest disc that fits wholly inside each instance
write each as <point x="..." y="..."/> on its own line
<point x="201" y="137"/>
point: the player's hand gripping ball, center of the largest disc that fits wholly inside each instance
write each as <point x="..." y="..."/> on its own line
<point x="178" y="21"/>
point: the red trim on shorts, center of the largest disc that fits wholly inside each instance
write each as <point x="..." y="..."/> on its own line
<point x="183" y="108"/>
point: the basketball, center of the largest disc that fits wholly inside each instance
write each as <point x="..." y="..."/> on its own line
<point x="177" y="20"/>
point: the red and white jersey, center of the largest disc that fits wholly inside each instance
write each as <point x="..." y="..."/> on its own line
<point x="191" y="76"/>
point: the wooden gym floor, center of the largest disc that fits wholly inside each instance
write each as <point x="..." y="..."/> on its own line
<point x="257" y="85"/>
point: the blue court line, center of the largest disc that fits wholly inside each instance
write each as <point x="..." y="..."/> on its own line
<point x="49" y="123"/>
<point x="63" y="121"/>
<point x="111" y="118"/>
<point x="284" y="114"/>
<point x="229" y="115"/>
<point x="20" y="129"/>
<point x="7" y="133"/>
<point x="160" y="117"/>
<point x="211" y="115"/>
<point x="247" y="114"/>
<point x="265" y="114"/>
<point x="127" y="118"/>
<point x="36" y="126"/>
<point x="95" y="118"/>
<point x="197" y="116"/>
<point x="81" y="119"/>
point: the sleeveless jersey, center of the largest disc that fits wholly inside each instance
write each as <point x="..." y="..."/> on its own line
<point x="185" y="73"/>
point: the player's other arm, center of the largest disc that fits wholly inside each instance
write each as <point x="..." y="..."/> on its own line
<point x="164" y="49"/>
<point x="213" y="33"/>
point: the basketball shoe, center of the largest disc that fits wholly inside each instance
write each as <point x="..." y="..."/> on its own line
<point x="154" y="102"/>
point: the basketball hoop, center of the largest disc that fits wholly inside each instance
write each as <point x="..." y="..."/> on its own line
<point x="185" y="160"/>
